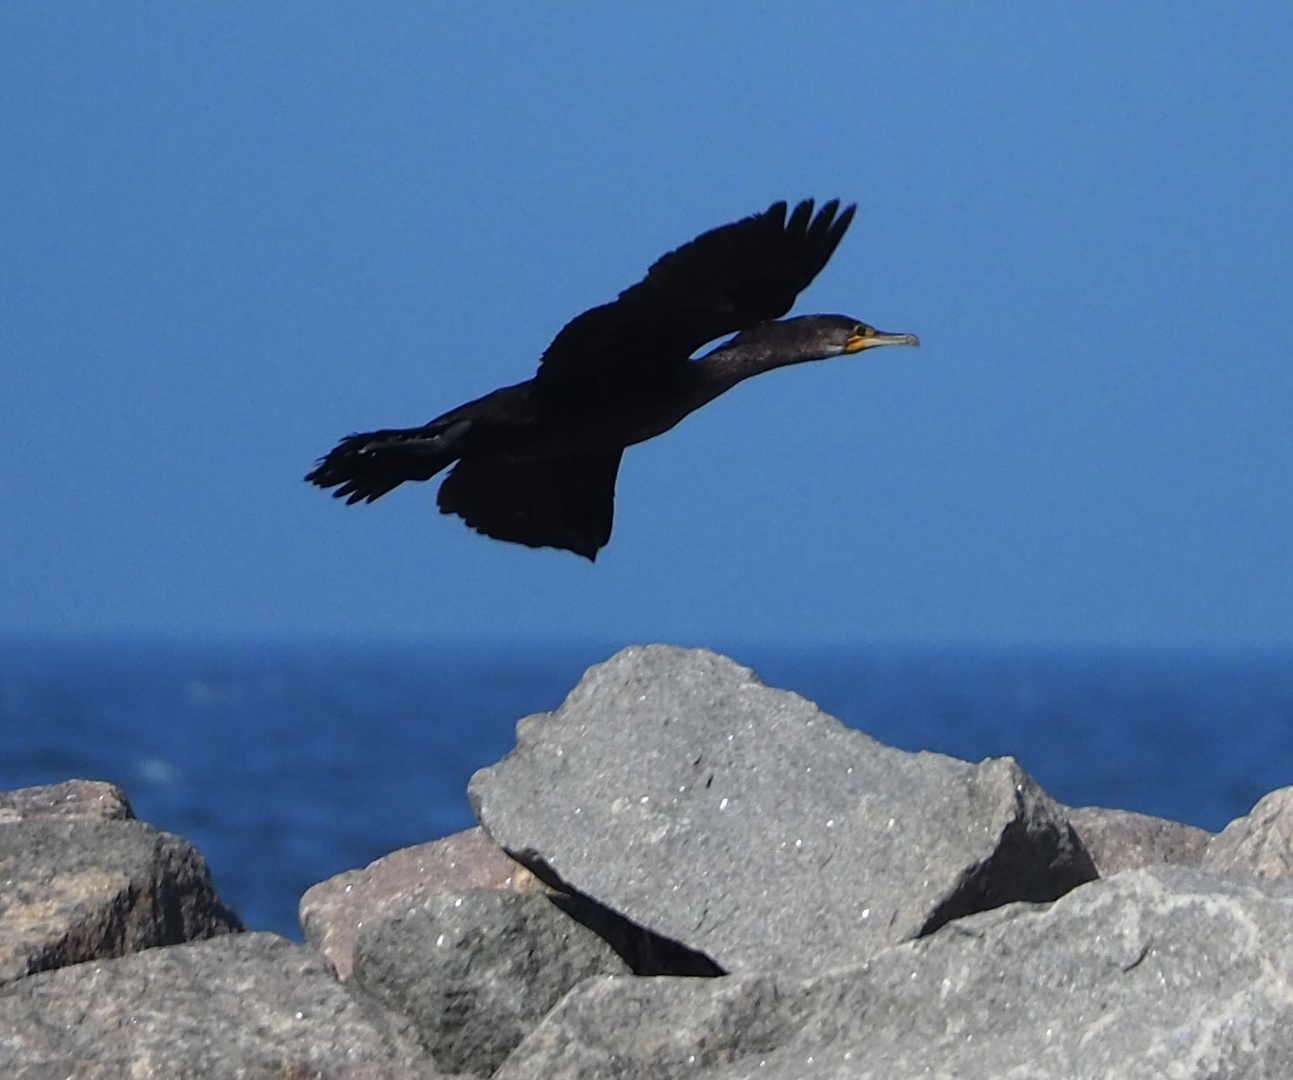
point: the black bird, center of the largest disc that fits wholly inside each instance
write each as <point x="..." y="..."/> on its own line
<point x="536" y="462"/>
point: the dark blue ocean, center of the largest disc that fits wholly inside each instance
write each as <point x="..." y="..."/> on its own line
<point x="287" y="763"/>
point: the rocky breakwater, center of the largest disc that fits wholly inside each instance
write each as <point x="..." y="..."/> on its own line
<point x="680" y="873"/>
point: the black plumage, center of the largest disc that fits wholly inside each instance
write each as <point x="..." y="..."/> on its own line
<point x="535" y="463"/>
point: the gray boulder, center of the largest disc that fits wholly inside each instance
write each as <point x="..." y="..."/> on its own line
<point x="1158" y="972"/>
<point x="1120" y="840"/>
<point x="660" y="1028"/>
<point x="743" y="822"/>
<point x="75" y="888"/>
<point x="1260" y="842"/>
<point x="477" y="970"/>
<point x="334" y="911"/>
<point x="239" y="1007"/>
<point x="71" y="798"/>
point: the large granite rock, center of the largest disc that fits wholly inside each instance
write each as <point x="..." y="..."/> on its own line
<point x="1153" y="973"/>
<point x="86" y="887"/>
<point x="71" y="798"/>
<point x="334" y="911"/>
<point x="1120" y="840"/>
<point x="1260" y="842"/>
<point x="477" y="970"/>
<point x="239" y="1007"/>
<point x="743" y="822"/>
<point x="652" y="1029"/>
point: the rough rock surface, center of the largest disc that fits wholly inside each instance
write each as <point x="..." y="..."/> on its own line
<point x="334" y="911"/>
<point x="1120" y="840"/>
<point x="84" y="888"/>
<point x="1159" y="972"/>
<point x="675" y="788"/>
<point x="72" y="798"/>
<point x="1259" y="843"/>
<point x="672" y="794"/>
<point x="657" y="1028"/>
<point x="241" y="1007"/>
<point x="477" y="970"/>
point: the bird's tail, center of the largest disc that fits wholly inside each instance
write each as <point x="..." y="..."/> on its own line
<point x="365" y="467"/>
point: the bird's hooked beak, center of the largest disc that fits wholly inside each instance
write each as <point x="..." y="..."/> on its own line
<point x="868" y="337"/>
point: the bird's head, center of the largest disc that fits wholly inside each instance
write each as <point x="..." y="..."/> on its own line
<point x="782" y="342"/>
<point x="841" y="334"/>
<point x="810" y="337"/>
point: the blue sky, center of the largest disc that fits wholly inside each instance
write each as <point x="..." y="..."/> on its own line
<point x="230" y="234"/>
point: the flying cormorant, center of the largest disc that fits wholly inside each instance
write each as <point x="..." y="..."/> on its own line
<point x="536" y="462"/>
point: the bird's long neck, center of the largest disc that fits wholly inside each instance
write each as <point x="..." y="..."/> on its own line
<point x="752" y="353"/>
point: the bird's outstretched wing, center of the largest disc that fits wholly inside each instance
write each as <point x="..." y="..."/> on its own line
<point x="725" y="280"/>
<point x="563" y="502"/>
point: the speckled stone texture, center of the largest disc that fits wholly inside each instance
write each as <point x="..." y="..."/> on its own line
<point x="239" y="1007"/>
<point x="76" y="888"/>
<point x="477" y="970"/>
<point x="334" y="911"/>
<point x="1260" y="842"/>
<point x="71" y="798"/>
<point x="1120" y="840"/>
<point x="743" y="822"/>
<point x="1164" y="972"/>
<point x="658" y="1028"/>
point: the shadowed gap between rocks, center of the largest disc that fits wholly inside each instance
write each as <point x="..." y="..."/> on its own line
<point x="645" y="952"/>
<point x="1014" y="873"/>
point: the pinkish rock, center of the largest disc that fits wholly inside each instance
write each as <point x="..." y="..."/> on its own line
<point x="1120" y="840"/>
<point x="334" y="911"/>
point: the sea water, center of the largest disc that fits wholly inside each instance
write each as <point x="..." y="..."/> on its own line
<point x="288" y="762"/>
